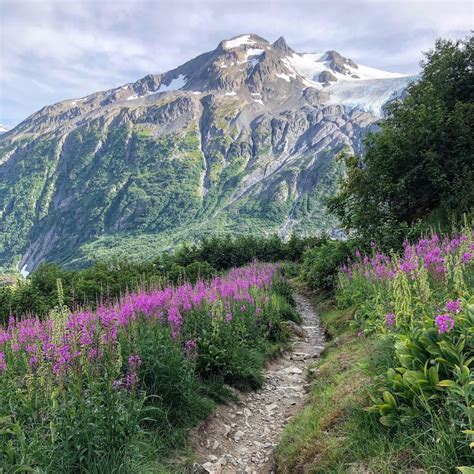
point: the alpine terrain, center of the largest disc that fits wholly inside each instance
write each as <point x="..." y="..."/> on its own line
<point x="239" y="139"/>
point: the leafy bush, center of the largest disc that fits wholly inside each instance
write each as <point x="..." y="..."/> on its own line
<point x="321" y="264"/>
<point x="419" y="165"/>
<point x="422" y="302"/>
<point x="283" y="288"/>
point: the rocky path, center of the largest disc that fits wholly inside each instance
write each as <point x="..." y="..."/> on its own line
<point x="240" y="437"/>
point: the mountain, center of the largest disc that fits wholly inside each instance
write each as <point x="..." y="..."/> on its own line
<point x="239" y="139"/>
<point x="3" y="129"/>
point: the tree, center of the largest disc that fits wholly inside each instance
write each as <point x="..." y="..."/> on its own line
<point x="420" y="165"/>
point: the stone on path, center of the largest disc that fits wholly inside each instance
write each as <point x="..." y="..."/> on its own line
<point x="293" y="370"/>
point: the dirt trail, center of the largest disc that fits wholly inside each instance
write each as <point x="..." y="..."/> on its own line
<point x="240" y="437"/>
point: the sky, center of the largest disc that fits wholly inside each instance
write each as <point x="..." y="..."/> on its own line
<point x="52" y="50"/>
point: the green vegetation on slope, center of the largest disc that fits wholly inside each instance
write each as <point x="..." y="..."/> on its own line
<point x="129" y="187"/>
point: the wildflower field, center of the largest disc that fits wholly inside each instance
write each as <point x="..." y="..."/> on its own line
<point x="423" y="302"/>
<point x="110" y="389"/>
<point x="396" y="382"/>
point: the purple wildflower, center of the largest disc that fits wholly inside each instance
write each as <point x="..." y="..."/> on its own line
<point x="453" y="306"/>
<point x="390" y="319"/>
<point x="33" y="361"/>
<point x="190" y="347"/>
<point x="134" y="363"/>
<point x="408" y="267"/>
<point x="3" y="363"/>
<point x="444" y="323"/>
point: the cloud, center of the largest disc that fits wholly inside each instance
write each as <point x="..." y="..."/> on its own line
<point x="52" y="50"/>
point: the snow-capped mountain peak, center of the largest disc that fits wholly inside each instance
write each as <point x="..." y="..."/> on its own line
<point x="243" y="135"/>
<point x="265" y="75"/>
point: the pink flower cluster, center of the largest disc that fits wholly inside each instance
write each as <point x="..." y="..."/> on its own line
<point x="390" y="319"/>
<point x="89" y="334"/>
<point x="134" y="363"/>
<point x="444" y="323"/>
<point x="430" y="253"/>
<point x="453" y="306"/>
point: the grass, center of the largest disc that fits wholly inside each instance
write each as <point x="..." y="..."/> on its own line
<point x="334" y="434"/>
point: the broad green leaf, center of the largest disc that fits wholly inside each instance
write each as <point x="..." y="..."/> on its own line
<point x="466" y="469"/>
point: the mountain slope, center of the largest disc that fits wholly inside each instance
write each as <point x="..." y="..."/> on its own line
<point x="239" y="139"/>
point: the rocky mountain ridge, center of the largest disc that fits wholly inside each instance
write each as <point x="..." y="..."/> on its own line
<point x="239" y="139"/>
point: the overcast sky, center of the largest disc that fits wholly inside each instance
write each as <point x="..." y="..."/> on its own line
<point x="53" y="50"/>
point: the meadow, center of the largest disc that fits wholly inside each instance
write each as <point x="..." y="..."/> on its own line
<point x="115" y="389"/>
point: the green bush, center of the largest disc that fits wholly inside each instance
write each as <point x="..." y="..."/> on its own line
<point x="421" y="303"/>
<point x="283" y="288"/>
<point x="418" y="167"/>
<point x="321" y="264"/>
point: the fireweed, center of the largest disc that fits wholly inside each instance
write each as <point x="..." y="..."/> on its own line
<point x="422" y="302"/>
<point x="413" y="285"/>
<point x="96" y="368"/>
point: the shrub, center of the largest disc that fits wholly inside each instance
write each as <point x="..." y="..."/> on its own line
<point x="321" y="264"/>
<point x="283" y="288"/>
<point x="418" y="166"/>
<point x="421" y="301"/>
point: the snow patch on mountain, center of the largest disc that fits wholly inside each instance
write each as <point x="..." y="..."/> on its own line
<point x="307" y="65"/>
<point x="238" y="41"/>
<point x="3" y="129"/>
<point x="368" y="95"/>
<point x="175" y="85"/>
<point x="285" y="77"/>
<point x="365" y="72"/>
<point x="24" y="272"/>
<point x="253" y="52"/>
<point x="311" y="65"/>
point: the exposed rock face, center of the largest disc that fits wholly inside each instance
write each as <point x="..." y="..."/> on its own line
<point x="337" y="63"/>
<point x="239" y="139"/>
